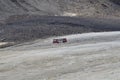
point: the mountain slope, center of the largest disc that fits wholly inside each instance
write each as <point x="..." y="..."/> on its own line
<point x="37" y="27"/>
<point x="59" y="7"/>
<point x="25" y="23"/>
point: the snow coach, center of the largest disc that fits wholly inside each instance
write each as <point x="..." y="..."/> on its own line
<point x="62" y="40"/>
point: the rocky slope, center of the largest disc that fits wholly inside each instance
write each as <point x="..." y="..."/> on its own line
<point x="36" y="27"/>
<point x="97" y="8"/>
<point x="25" y="20"/>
